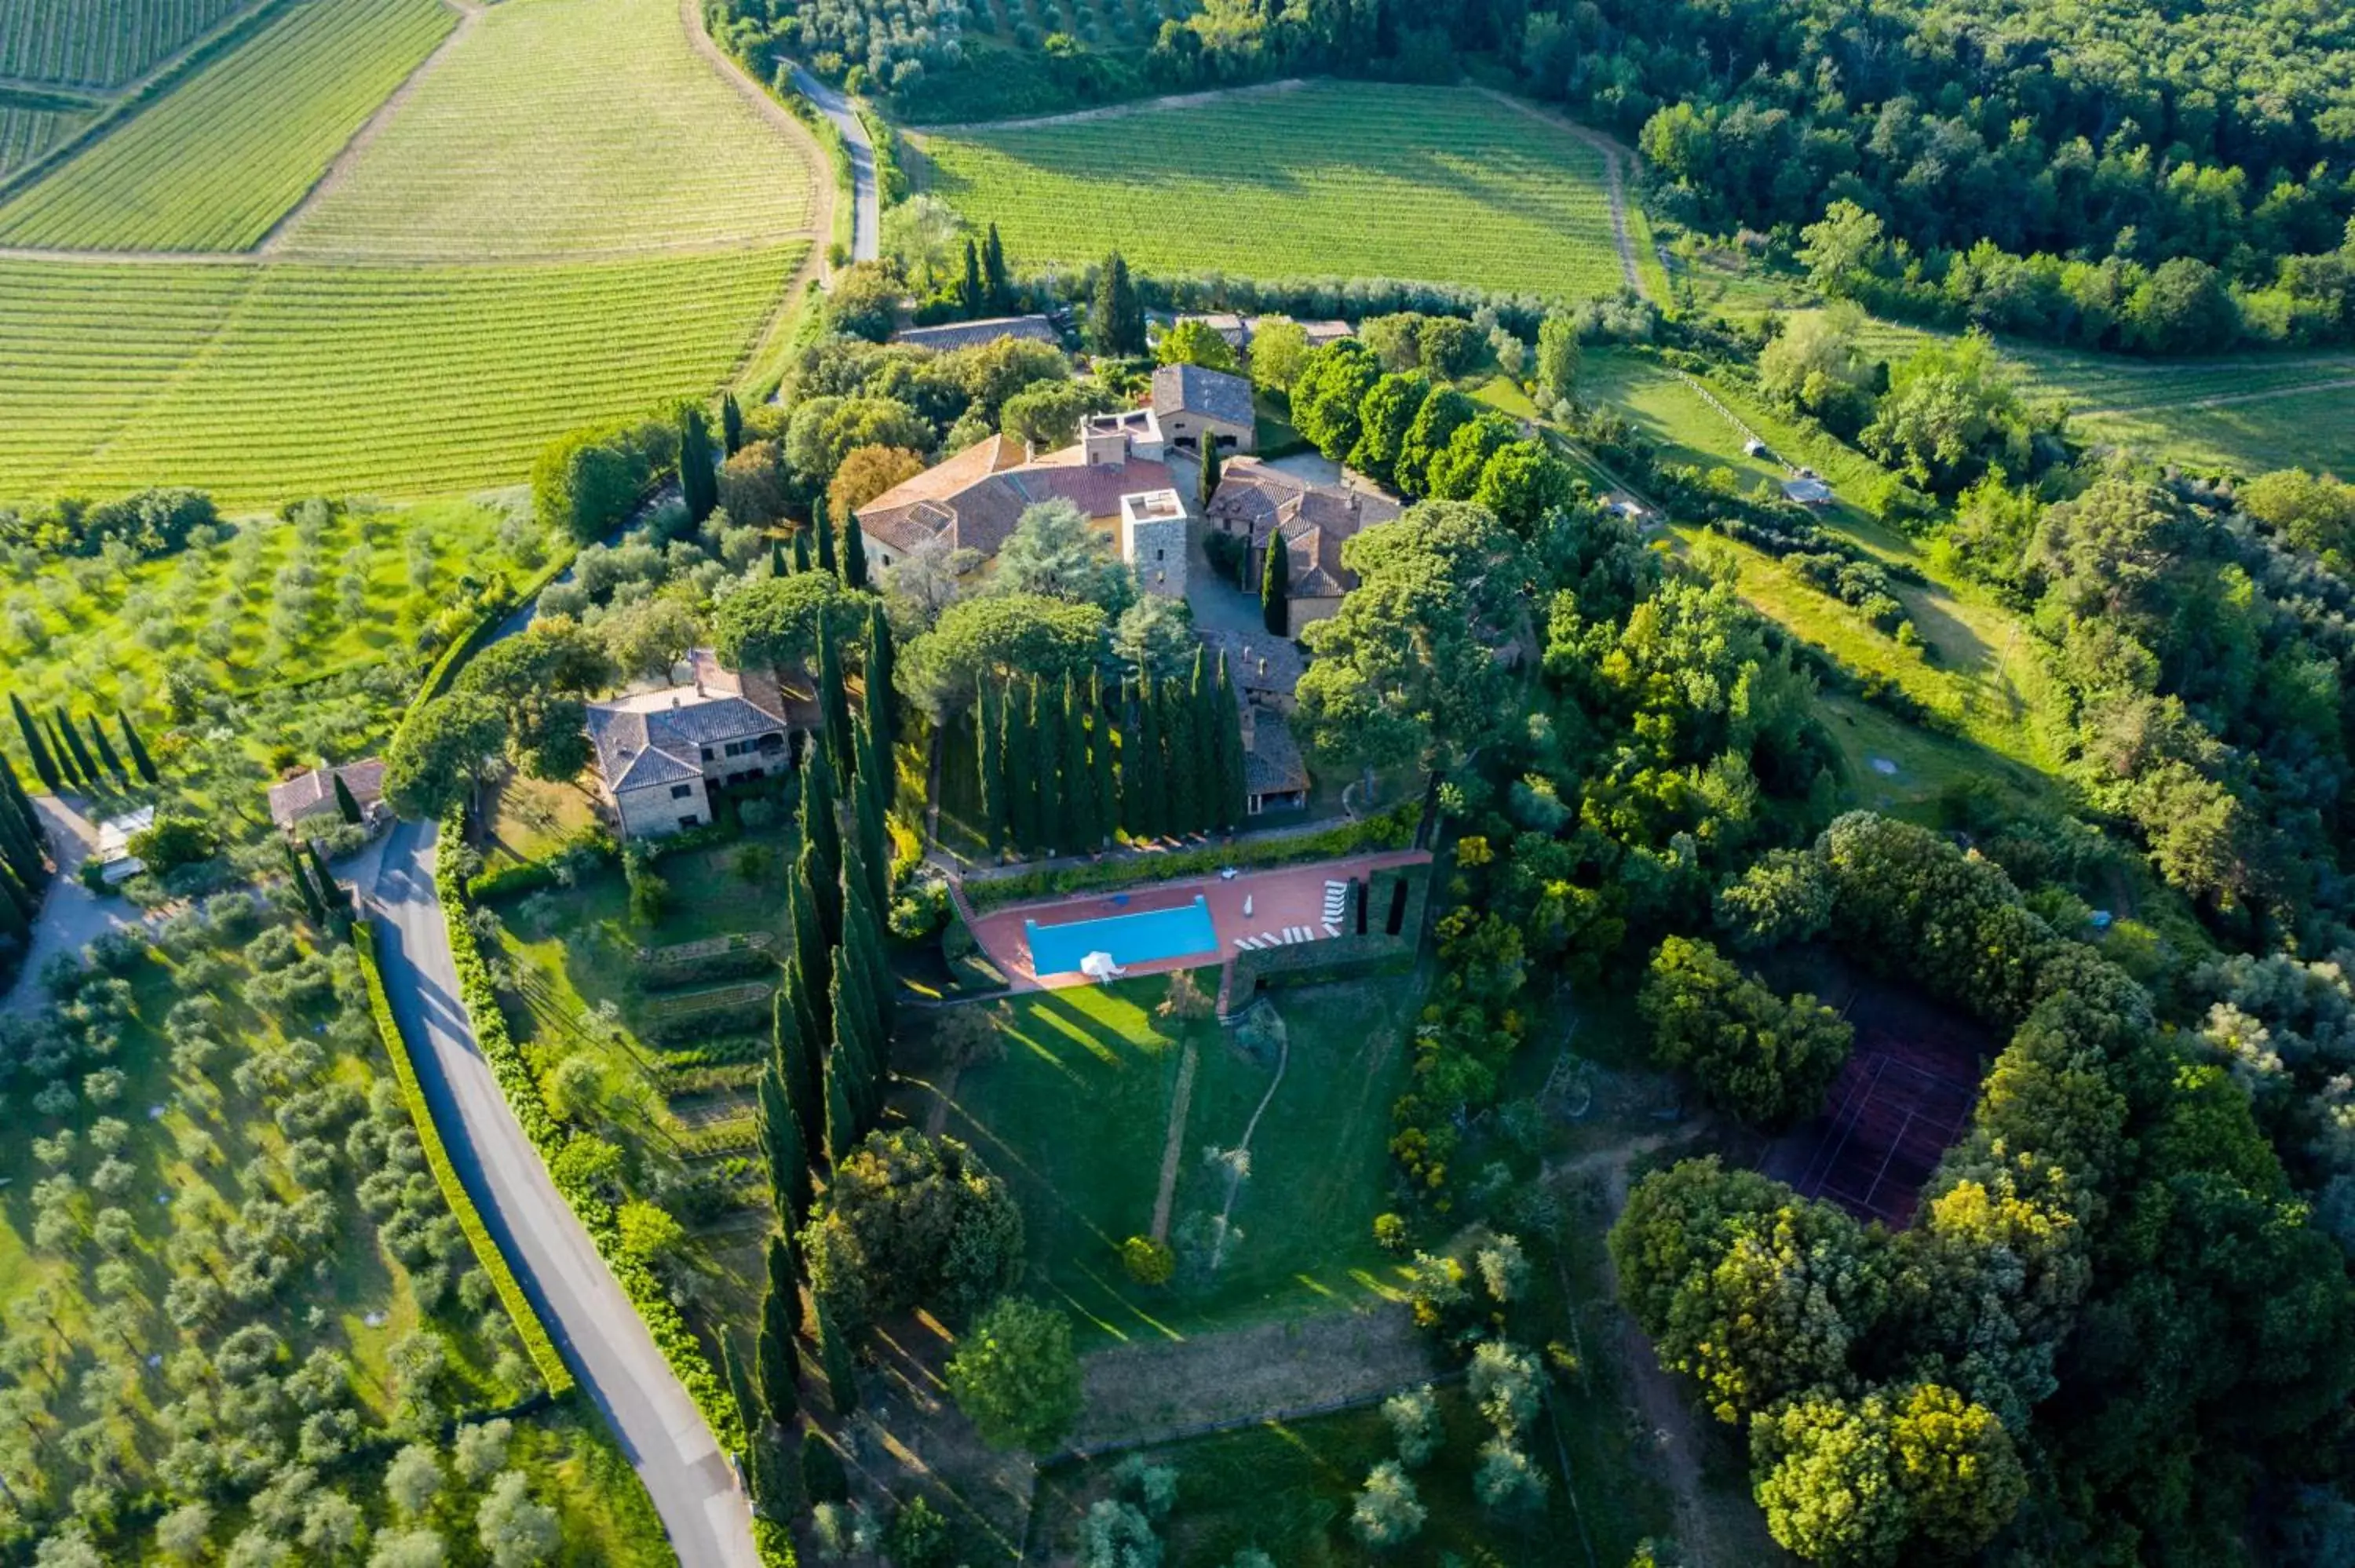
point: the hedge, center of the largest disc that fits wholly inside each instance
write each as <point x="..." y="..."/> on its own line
<point x="1393" y="830"/>
<point x="553" y="1372"/>
<point x="1333" y="958"/>
<point x="677" y="1342"/>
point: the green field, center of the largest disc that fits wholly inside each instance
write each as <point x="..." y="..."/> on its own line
<point x="263" y="382"/>
<point x="564" y="127"/>
<point x="2246" y="412"/>
<point x="221" y="158"/>
<point x="99" y="43"/>
<point x="1098" y="1059"/>
<point x="1334" y="179"/>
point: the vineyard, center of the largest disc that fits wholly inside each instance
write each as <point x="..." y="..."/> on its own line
<point x="2249" y="413"/>
<point x="26" y="134"/>
<point x="260" y="382"/>
<point x="1332" y="179"/>
<point x="562" y="127"/>
<point x="217" y="162"/>
<point x="99" y="43"/>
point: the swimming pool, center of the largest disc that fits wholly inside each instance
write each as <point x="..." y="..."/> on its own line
<point x="1129" y="938"/>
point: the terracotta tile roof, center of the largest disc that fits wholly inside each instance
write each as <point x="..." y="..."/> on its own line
<point x="657" y="737"/>
<point x="1314" y="519"/>
<point x="307" y="794"/>
<point x="975" y="498"/>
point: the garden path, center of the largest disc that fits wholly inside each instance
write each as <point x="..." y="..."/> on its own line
<point x="72" y="915"/>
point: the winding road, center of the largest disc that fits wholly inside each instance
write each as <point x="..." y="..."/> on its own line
<point x="600" y="1332"/>
<point x="867" y="206"/>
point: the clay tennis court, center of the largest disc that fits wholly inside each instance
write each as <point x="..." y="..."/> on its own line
<point x="1292" y="895"/>
<point x="1903" y="1097"/>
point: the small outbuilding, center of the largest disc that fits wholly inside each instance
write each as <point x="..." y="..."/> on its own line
<point x="1192" y="403"/>
<point x="311" y="794"/>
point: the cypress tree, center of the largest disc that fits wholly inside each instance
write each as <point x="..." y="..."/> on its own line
<point x="1046" y="755"/>
<point x="1207" y="480"/>
<point x="330" y="892"/>
<point x="1117" y="316"/>
<point x="821" y="833"/>
<point x="823" y="526"/>
<point x="970" y="295"/>
<point x="15" y="921"/>
<point x="780" y="564"/>
<point x="106" y="756"/>
<point x="19" y="896"/>
<point x="301" y="871"/>
<point x="816" y="1028"/>
<point x="781" y="1144"/>
<point x="801" y="550"/>
<point x="841" y="1377"/>
<point x="1183" y="751"/>
<point x="1144" y="760"/>
<point x="822" y="1477"/>
<point x="812" y="967"/>
<point x="874" y="835"/>
<point x="796" y="1063"/>
<point x="697" y="482"/>
<point x="1275" y="587"/>
<point x="1021" y="771"/>
<point x="833" y="699"/>
<point x="740" y="1389"/>
<point x="13" y="788"/>
<point x="1079" y="832"/>
<point x="346" y="807"/>
<point x="731" y="424"/>
<point x="36" y="750"/>
<point x="856" y="1050"/>
<point x="138" y="750"/>
<point x="1234" y="788"/>
<point x="1102" y="761"/>
<point x="778" y="1363"/>
<point x="862" y="925"/>
<point x="854" y="554"/>
<point x="20" y="850"/>
<point x="882" y="669"/>
<point x="841" y="1124"/>
<point x="993" y="269"/>
<point x="989" y="776"/>
<point x="825" y="899"/>
<point x="70" y="750"/>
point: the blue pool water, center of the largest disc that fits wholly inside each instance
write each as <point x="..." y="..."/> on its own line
<point x="1129" y="938"/>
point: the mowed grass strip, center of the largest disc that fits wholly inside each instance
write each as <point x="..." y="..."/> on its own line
<point x="219" y="161"/>
<point x="558" y="127"/>
<point x="260" y="383"/>
<point x="1334" y="179"/>
<point x="99" y="43"/>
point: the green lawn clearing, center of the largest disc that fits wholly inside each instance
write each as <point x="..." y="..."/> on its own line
<point x="218" y="160"/>
<point x="1330" y="179"/>
<point x="565" y="128"/>
<point x="265" y="382"/>
<point x="1076" y="1116"/>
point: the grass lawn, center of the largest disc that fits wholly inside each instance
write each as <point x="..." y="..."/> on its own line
<point x="1288" y="1488"/>
<point x="1668" y="413"/>
<point x="218" y="161"/>
<point x="1348" y="180"/>
<point x="1076" y="1118"/>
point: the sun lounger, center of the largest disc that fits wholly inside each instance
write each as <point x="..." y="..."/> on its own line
<point x="1331" y="929"/>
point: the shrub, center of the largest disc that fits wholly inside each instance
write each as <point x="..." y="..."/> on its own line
<point x="1148" y="1262"/>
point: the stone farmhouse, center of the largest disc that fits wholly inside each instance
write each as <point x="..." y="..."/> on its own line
<point x="1238" y="331"/>
<point x="661" y="754"/>
<point x="310" y="797"/>
<point x="1258" y="504"/>
<point x="972" y="335"/>
<point x="974" y="500"/>
<point x="1190" y="402"/>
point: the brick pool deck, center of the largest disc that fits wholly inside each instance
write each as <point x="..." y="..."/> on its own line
<point x="1287" y="895"/>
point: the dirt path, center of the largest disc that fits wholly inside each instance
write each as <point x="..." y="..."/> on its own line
<point x="470" y="12"/>
<point x="1614" y="160"/>
<point x="1659" y="1403"/>
<point x="1173" y="1148"/>
<point x="1161" y="1390"/>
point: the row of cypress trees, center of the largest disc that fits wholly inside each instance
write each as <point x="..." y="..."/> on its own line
<point x="1058" y="772"/>
<point x="61" y="758"/>
<point x="23" y="870"/>
<point x="814" y="549"/>
<point x="823" y="1086"/>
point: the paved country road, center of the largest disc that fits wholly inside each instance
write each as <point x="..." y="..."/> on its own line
<point x="601" y="1334"/>
<point x="866" y="209"/>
